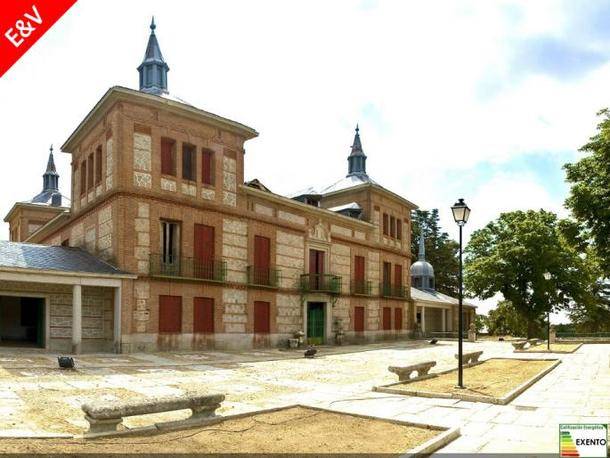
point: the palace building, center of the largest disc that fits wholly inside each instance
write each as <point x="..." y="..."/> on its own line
<point x="164" y="246"/>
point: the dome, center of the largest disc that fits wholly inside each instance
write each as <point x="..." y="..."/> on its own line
<point x="422" y="269"/>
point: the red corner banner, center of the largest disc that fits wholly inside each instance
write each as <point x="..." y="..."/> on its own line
<point x="22" y="23"/>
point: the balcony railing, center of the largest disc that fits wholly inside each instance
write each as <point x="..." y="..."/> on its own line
<point x="321" y="283"/>
<point x="389" y="290"/>
<point x="361" y="288"/>
<point x="179" y="266"/>
<point x="263" y="277"/>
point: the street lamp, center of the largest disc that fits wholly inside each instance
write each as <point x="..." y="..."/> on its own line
<point x="547" y="277"/>
<point x="461" y="212"/>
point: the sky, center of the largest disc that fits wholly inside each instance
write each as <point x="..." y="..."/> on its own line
<point x="480" y="100"/>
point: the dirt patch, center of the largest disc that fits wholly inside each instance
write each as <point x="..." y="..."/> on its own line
<point x="494" y="378"/>
<point x="555" y="348"/>
<point x="292" y="430"/>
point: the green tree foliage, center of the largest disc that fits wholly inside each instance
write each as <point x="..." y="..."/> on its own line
<point x="589" y="197"/>
<point x="481" y="323"/>
<point x="504" y="320"/>
<point x="510" y="256"/>
<point x="441" y="251"/>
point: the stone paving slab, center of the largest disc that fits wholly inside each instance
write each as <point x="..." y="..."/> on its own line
<point x="37" y="399"/>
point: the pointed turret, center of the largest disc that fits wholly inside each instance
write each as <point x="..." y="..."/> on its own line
<point x="50" y="184"/>
<point x="153" y="69"/>
<point x="422" y="272"/>
<point x="357" y="158"/>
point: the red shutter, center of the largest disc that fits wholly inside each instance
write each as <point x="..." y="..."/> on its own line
<point x="203" y="315"/>
<point x="167" y="157"/>
<point x="320" y="263"/>
<point x="204" y="251"/>
<point x="262" y="257"/>
<point x="392" y="226"/>
<point x="358" y="319"/>
<point x="359" y="269"/>
<point x="397" y="318"/>
<point x="206" y="166"/>
<point x="385" y="224"/>
<point x="387" y="318"/>
<point x="98" y="165"/>
<point x="170" y="314"/>
<point x="261" y="317"/>
<point x="399" y="229"/>
<point x="313" y="261"/>
<point x="398" y="275"/>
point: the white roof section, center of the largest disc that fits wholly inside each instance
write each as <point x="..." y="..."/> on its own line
<point x="348" y="182"/>
<point x="350" y="206"/>
<point x="175" y="98"/>
<point x="435" y="296"/>
<point x="310" y="190"/>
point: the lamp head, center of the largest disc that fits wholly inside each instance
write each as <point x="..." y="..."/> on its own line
<point x="461" y="212"/>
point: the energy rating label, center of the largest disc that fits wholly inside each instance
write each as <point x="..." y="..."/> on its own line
<point x="583" y="440"/>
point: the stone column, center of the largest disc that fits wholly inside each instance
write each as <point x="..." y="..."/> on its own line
<point x="77" y="318"/>
<point x="443" y="319"/>
<point x="423" y="320"/>
<point x="117" y="319"/>
<point x="552" y="335"/>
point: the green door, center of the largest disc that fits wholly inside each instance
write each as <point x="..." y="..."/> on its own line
<point x="315" y="323"/>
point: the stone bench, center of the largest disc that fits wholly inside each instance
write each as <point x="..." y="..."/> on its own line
<point x="470" y="358"/>
<point x="519" y="345"/>
<point x="105" y="417"/>
<point x="534" y="342"/>
<point x="404" y="372"/>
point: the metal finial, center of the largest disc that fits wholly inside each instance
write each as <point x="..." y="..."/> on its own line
<point x="152" y="25"/>
<point x="51" y="149"/>
<point x="357" y="128"/>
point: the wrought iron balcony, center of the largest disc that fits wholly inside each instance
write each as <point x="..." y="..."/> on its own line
<point x="362" y="287"/>
<point x="189" y="268"/>
<point x="320" y="283"/>
<point x="263" y="277"/>
<point x="390" y="290"/>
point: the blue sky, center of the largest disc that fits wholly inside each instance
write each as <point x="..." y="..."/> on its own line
<point x="484" y="100"/>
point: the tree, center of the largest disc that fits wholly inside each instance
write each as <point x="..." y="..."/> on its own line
<point x="441" y="251"/>
<point x="505" y="320"/>
<point x="589" y="197"/>
<point x="511" y="255"/>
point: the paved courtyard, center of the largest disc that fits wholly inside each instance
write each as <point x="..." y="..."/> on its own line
<point x="37" y="399"/>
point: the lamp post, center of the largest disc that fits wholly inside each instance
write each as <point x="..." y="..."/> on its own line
<point x="547" y="277"/>
<point x="461" y="212"/>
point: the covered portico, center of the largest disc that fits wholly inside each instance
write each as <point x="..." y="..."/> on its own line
<point x="438" y="313"/>
<point x="69" y="300"/>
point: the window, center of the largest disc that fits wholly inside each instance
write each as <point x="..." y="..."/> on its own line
<point x="98" y="165"/>
<point x="170" y="314"/>
<point x="170" y="242"/>
<point x="398" y="319"/>
<point x="188" y="162"/>
<point x="261" y="317"/>
<point x="207" y="167"/>
<point x="65" y="242"/>
<point x="262" y="258"/>
<point x="358" y="319"/>
<point x="83" y="178"/>
<point x="90" y="169"/>
<point x="204" y="251"/>
<point x="398" y="275"/>
<point x="168" y="156"/>
<point x="399" y="229"/>
<point x="387" y="318"/>
<point x="387" y="273"/>
<point x="392" y="227"/>
<point x="203" y="315"/>
<point x="385" y="224"/>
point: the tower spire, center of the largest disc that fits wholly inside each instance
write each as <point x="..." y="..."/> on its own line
<point x="421" y="256"/>
<point x="153" y="69"/>
<point x="357" y="158"/>
<point x="50" y="179"/>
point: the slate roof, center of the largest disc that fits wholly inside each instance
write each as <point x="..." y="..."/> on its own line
<point x="60" y="258"/>
<point x="435" y="296"/>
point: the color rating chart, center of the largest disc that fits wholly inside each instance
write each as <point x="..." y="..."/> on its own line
<point x="583" y="440"/>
